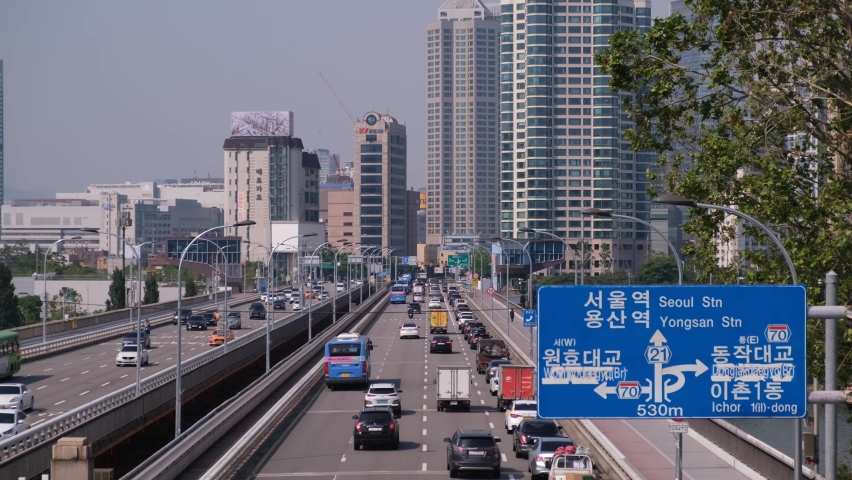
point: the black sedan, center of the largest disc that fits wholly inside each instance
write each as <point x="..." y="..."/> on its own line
<point x="196" y="322"/>
<point x="441" y="343"/>
<point x="280" y="304"/>
<point x="210" y="318"/>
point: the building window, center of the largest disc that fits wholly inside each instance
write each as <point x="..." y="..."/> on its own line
<point x="347" y="214"/>
<point x="375" y="148"/>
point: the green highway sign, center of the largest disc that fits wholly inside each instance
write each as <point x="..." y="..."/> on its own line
<point x="462" y="261"/>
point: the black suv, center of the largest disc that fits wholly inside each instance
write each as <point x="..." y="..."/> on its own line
<point x="257" y="310"/>
<point x="441" y="343"/>
<point x="182" y="316"/>
<point x="376" y="425"/>
<point x="414" y="307"/>
<point x="471" y="327"/>
<point x="472" y="451"/>
<point x="210" y="318"/>
<point x="279" y="304"/>
<point x="196" y="322"/>
<point x="529" y="431"/>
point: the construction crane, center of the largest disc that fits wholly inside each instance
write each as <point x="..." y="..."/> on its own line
<point x="339" y="100"/>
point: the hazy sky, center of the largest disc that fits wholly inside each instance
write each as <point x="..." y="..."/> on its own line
<point x="108" y="91"/>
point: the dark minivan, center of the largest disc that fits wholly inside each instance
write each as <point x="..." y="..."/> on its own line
<point x="257" y="310"/>
<point x="473" y="451"/>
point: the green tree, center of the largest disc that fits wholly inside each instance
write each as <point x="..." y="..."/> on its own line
<point x="190" y="286"/>
<point x="608" y="278"/>
<point x="31" y="309"/>
<point x="64" y="303"/>
<point x="606" y="257"/>
<point x="152" y="290"/>
<point x="10" y="314"/>
<point x="117" y="291"/>
<point x="722" y="131"/>
<point x="657" y="269"/>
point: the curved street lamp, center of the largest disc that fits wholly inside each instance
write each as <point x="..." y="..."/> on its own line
<point x="564" y="242"/>
<point x="44" y="278"/>
<point x="178" y="371"/>
<point x="596" y="212"/>
<point x="221" y="251"/>
<point x="529" y="290"/>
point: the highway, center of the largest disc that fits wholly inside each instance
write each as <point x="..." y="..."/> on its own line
<point x="68" y="380"/>
<point x="646" y="444"/>
<point x="319" y="445"/>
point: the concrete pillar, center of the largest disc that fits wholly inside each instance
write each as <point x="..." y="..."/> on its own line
<point x="72" y="459"/>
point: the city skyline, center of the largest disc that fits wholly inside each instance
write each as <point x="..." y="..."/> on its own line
<point x="119" y="80"/>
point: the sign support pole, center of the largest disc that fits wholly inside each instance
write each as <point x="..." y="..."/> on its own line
<point x="830" y="379"/>
<point x="679" y="456"/>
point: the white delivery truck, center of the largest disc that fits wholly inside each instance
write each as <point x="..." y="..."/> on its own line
<point x="453" y="384"/>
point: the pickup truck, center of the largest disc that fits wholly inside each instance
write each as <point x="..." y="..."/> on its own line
<point x="516" y="382"/>
<point x="578" y="466"/>
<point x="453" y="384"/>
<point x="490" y="349"/>
<point x="437" y="321"/>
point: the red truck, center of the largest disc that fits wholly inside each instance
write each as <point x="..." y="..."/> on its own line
<point x="516" y="382"/>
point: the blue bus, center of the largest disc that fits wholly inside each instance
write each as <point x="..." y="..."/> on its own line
<point x="397" y="293"/>
<point x="347" y="360"/>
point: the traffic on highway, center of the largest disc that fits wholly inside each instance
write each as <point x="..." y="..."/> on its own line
<point x="397" y="406"/>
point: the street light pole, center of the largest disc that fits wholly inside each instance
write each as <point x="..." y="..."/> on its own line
<point x="44" y="278"/>
<point x="178" y="372"/>
<point x="670" y="199"/>
<point x="529" y="287"/>
<point x="564" y="242"/>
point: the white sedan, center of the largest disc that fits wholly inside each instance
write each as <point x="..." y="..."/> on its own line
<point x="409" y="330"/>
<point x="127" y="356"/>
<point x="434" y="303"/>
<point x="297" y="305"/>
<point x="12" y="422"/>
<point x="517" y="412"/>
<point x="494" y="386"/>
<point x="16" y="395"/>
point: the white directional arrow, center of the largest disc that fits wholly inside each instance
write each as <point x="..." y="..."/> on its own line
<point x="603" y="390"/>
<point x="658" y="339"/>
<point x="697" y="367"/>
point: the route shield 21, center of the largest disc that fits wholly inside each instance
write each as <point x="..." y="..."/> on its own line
<point x="665" y="351"/>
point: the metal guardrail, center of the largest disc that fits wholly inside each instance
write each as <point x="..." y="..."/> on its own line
<point x="616" y="464"/>
<point x="172" y="459"/>
<point x="55" y="427"/>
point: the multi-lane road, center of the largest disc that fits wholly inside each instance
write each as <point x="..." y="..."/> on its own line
<point x="645" y="444"/>
<point x="71" y="379"/>
<point x="319" y="445"/>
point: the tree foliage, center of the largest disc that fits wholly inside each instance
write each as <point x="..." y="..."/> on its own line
<point x="10" y="314"/>
<point x="22" y="261"/>
<point x="190" y="286"/>
<point x="152" y="290"/>
<point x="657" y="269"/>
<point x="65" y="303"/>
<point x="31" y="309"/>
<point x="764" y="124"/>
<point x="117" y="291"/>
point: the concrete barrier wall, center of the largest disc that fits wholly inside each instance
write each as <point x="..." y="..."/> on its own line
<point x="110" y="427"/>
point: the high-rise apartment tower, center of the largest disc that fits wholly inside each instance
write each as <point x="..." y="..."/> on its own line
<point x="561" y="128"/>
<point x="462" y="120"/>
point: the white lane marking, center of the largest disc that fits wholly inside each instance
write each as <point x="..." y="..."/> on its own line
<point x="84" y="393"/>
<point x="482" y="402"/>
<point x="59" y="403"/>
<point x="102" y="366"/>
<point x="351" y="439"/>
<point x="424" y="407"/>
<point x="69" y="378"/>
<point x="424" y="431"/>
<point x="424" y="467"/>
<point x="424" y="449"/>
<point x="67" y="364"/>
<point x="168" y="359"/>
<point x="424" y="397"/>
<point x="491" y="425"/>
<point x="124" y="375"/>
<point x="475" y="384"/>
<point x="424" y="387"/>
<point x="503" y="455"/>
<point x="87" y="358"/>
<point x="478" y="392"/>
<point x="105" y="384"/>
<point x="486" y="414"/>
<point x="343" y="459"/>
<point x="37" y="422"/>
<point x="39" y="388"/>
<point x="84" y="372"/>
<point x="424" y="418"/>
<point x="49" y="369"/>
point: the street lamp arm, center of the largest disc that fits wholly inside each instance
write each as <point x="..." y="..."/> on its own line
<point x="765" y="229"/>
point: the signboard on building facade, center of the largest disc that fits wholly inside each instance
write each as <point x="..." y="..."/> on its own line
<point x="260" y="124"/>
<point x="665" y="351"/>
<point x="242" y="207"/>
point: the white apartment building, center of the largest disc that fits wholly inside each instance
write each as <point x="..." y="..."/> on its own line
<point x="462" y="120"/>
<point x="561" y="127"/>
<point x="270" y="179"/>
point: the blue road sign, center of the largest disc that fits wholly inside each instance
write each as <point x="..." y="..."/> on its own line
<point x="530" y="318"/>
<point x="404" y="260"/>
<point x="654" y="351"/>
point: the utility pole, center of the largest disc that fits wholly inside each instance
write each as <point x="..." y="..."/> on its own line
<point x="124" y="221"/>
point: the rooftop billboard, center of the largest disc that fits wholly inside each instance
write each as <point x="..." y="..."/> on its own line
<point x="261" y="124"/>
